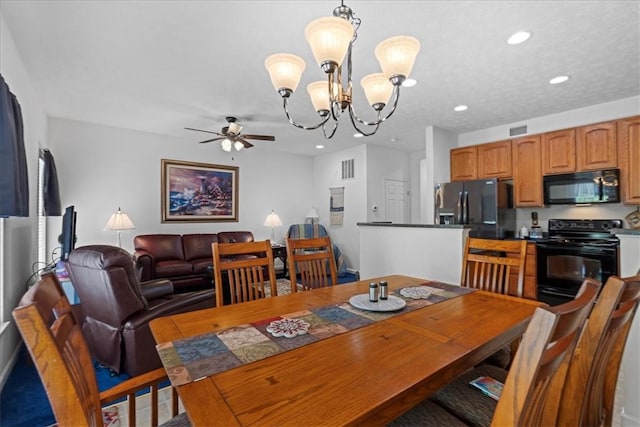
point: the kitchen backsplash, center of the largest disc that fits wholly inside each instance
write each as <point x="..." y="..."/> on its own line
<point x="608" y="211"/>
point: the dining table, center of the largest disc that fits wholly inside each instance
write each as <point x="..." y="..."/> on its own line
<point x="367" y="373"/>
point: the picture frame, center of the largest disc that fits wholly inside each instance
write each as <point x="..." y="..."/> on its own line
<point x="198" y="192"/>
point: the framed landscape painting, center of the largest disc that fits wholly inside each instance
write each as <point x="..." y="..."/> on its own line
<point x="199" y="192"/>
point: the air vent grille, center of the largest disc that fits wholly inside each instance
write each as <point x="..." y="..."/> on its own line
<point x="519" y="130"/>
<point x="348" y="170"/>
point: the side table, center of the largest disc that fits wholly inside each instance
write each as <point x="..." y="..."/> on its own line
<point x="280" y="251"/>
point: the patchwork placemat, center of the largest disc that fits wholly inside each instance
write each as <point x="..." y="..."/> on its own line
<point x="195" y="358"/>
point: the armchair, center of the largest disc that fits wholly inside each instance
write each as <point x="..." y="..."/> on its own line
<point x="117" y="308"/>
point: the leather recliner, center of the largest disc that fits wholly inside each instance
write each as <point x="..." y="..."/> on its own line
<point x="117" y="308"/>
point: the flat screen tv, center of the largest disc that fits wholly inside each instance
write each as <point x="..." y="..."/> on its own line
<point x="68" y="236"/>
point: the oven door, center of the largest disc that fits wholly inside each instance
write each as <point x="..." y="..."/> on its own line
<point x="563" y="267"/>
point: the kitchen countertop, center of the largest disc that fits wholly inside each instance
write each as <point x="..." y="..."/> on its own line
<point x="629" y="231"/>
<point x="390" y="224"/>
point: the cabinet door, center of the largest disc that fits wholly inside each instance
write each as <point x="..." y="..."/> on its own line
<point x="559" y="152"/>
<point x="494" y="160"/>
<point x="464" y="163"/>
<point x="527" y="171"/>
<point x="596" y="146"/>
<point x="629" y="159"/>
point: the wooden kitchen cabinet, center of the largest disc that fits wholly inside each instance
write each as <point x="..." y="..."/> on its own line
<point x="596" y="146"/>
<point x="559" y="152"/>
<point x="464" y="163"/>
<point x="629" y="159"/>
<point x="494" y="160"/>
<point x="527" y="171"/>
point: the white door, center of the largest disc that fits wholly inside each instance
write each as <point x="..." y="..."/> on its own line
<point x="396" y="198"/>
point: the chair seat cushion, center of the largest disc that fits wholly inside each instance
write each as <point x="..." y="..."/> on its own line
<point x="467" y="402"/>
<point x="426" y="414"/>
<point x="173" y="268"/>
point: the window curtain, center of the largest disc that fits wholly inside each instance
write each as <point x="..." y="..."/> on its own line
<point x="14" y="179"/>
<point x="50" y="192"/>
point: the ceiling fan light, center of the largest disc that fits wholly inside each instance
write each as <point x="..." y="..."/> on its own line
<point x="329" y="39"/>
<point x="237" y="145"/>
<point x="234" y="128"/>
<point x="226" y="145"/>
<point x="397" y="55"/>
<point x="285" y="70"/>
<point x="377" y="89"/>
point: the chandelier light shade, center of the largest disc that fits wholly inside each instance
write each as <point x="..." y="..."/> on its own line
<point x="331" y="40"/>
<point x="117" y="222"/>
<point x="285" y="71"/>
<point x="397" y="55"/>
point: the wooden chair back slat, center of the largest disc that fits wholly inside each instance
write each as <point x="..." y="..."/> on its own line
<point x="244" y="265"/>
<point x="311" y="263"/>
<point x="489" y="264"/>
<point x="550" y="339"/>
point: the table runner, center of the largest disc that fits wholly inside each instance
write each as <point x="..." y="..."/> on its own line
<point x="195" y="358"/>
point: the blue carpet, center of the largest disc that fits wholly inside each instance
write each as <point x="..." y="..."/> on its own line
<point x="23" y="401"/>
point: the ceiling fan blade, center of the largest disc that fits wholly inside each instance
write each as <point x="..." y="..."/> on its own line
<point x="246" y="143"/>
<point x="211" y="140"/>
<point x="260" y="137"/>
<point x="206" y="131"/>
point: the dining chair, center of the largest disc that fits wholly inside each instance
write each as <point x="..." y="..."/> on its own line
<point x="247" y="266"/>
<point x="492" y="265"/>
<point x="311" y="263"/>
<point x="587" y="398"/>
<point x="549" y="339"/>
<point x="61" y="355"/>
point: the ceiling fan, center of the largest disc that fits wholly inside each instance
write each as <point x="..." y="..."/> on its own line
<point x="232" y="135"/>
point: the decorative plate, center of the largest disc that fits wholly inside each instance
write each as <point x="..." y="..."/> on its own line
<point x="362" y="302"/>
<point x="288" y="328"/>
<point x="416" y="292"/>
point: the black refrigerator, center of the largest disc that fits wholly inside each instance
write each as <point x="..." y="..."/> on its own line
<point x="485" y="204"/>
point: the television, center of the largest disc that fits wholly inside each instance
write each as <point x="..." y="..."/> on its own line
<point x="68" y="236"/>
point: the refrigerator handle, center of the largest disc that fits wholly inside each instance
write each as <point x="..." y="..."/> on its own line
<point x="465" y="208"/>
<point x="459" y="214"/>
<point x="438" y="203"/>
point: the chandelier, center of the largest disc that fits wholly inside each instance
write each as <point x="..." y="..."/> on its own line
<point x="331" y="39"/>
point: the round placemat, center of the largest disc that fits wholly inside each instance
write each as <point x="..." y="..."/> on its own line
<point x="362" y="302"/>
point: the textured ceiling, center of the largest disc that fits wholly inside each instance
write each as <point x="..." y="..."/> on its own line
<point x="160" y="66"/>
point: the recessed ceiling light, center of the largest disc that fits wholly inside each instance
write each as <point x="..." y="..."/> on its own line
<point x="409" y="82"/>
<point x="519" y="37"/>
<point x="358" y="135"/>
<point x="319" y="146"/>
<point x="558" y="79"/>
<point x="460" y="108"/>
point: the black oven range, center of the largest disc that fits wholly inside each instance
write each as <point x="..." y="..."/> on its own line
<point x="575" y="250"/>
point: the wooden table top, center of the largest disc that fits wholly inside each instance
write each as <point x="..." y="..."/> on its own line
<point x="368" y="375"/>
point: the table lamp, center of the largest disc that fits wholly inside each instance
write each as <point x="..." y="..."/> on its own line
<point x="119" y="221"/>
<point x="312" y="215"/>
<point x="273" y="221"/>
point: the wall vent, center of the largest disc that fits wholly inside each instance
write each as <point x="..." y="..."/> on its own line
<point x="519" y="130"/>
<point x="348" y="171"/>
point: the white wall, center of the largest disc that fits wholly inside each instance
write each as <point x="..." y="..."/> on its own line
<point x="438" y="143"/>
<point x="327" y="173"/>
<point x="101" y="168"/>
<point x="18" y="248"/>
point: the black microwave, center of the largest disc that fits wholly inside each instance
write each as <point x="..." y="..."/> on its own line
<point x="582" y="188"/>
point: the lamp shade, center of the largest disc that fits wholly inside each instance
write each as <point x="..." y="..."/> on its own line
<point x="285" y="70"/>
<point x="273" y="220"/>
<point x="313" y="214"/>
<point x="397" y="55"/>
<point x="329" y="39"/>
<point x="319" y="94"/>
<point x="377" y="88"/>
<point x="238" y="145"/>
<point x="119" y="221"/>
<point x="226" y="145"/>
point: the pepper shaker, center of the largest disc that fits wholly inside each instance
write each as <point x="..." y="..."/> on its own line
<point x="384" y="290"/>
<point x="373" y="292"/>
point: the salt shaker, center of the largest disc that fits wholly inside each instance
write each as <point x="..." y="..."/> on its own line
<point x="384" y="290"/>
<point x="373" y="292"/>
